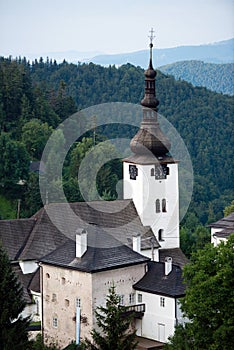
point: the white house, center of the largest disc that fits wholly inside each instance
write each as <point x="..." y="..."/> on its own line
<point x="221" y="229"/>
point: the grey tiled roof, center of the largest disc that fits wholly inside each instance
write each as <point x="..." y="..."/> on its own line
<point x="31" y="239"/>
<point x="29" y="281"/>
<point x="104" y="252"/>
<point x="14" y="234"/>
<point x="178" y="257"/>
<point x="156" y="282"/>
<point x="226" y="222"/>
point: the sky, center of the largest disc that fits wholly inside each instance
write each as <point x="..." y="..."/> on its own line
<point x="110" y="26"/>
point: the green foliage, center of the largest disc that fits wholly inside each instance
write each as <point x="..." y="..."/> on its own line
<point x="13" y="327"/>
<point x="209" y="300"/>
<point x="48" y="92"/>
<point x="229" y="209"/>
<point x="35" y="135"/>
<point x="7" y="208"/>
<point x="114" y="327"/>
<point x="216" y="77"/>
<point x="14" y="161"/>
<point x="38" y="344"/>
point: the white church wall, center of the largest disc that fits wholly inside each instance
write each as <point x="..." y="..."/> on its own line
<point x="145" y="190"/>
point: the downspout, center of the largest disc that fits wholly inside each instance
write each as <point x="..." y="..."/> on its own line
<point x="77" y="325"/>
<point x="42" y="302"/>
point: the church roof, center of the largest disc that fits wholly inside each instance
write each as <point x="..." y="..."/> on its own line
<point x="31" y="239"/>
<point x="156" y="282"/>
<point x="104" y="252"/>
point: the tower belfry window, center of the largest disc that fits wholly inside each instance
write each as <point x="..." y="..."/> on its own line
<point x="164" y="205"/>
<point x="157" y="206"/>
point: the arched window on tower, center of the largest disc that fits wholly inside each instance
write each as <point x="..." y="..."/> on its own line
<point x="160" y="234"/>
<point x="164" y="205"/>
<point x="152" y="172"/>
<point x="157" y="206"/>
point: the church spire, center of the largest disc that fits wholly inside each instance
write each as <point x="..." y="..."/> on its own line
<point x="150" y="137"/>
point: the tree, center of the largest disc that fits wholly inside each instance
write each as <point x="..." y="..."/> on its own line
<point x="229" y="209"/>
<point x="35" y="134"/>
<point x="14" y="161"/>
<point x="13" y="327"/>
<point x="114" y="326"/>
<point x="209" y="300"/>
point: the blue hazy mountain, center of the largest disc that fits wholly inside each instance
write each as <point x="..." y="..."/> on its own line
<point x="215" y="77"/>
<point x="219" y="52"/>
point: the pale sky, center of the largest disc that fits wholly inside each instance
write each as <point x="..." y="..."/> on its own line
<point x="40" y="26"/>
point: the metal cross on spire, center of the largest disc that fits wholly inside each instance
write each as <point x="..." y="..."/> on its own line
<point x="151" y="37"/>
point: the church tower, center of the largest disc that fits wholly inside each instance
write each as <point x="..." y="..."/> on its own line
<point x="151" y="174"/>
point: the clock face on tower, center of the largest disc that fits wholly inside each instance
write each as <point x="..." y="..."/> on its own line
<point x="161" y="171"/>
<point x="133" y="171"/>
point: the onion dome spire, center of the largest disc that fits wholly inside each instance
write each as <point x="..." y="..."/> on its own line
<point x="150" y="137"/>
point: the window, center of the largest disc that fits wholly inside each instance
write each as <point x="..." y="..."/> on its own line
<point x="78" y="302"/>
<point x="160" y="234"/>
<point x="67" y="302"/>
<point x="164" y="205"/>
<point x="63" y="280"/>
<point x="47" y="275"/>
<point x="37" y="306"/>
<point x="152" y="172"/>
<point x="121" y="299"/>
<point x="131" y="298"/>
<point x="162" y="301"/>
<point x="157" y="206"/>
<point x="54" y="297"/>
<point x="139" y="298"/>
<point x="55" y="322"/>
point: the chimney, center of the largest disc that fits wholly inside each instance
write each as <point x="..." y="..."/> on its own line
<point x="136" y="243"/>
<point x="168" y="265"/>
<point x="81" y="242"/>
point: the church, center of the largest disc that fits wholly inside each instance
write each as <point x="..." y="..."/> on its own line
<point x="66" y="279"/>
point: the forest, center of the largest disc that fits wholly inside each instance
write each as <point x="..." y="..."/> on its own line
<point x="35" y="97"/>
<point x="215" y="77"/>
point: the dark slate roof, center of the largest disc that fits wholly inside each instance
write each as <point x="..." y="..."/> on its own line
<point x="156" y="282"/>
<point x="225" y="223"/>
<point x="104" y="252"/>
<point x="178" y="257"/>
<point x="31" y="239"/>
<point x="26" y="282"/>
<point x="14" y="235"/>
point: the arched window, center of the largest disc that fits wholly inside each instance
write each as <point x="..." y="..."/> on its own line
<point x="157" y="206"/>
<point x="160" y="234"/>
<point x="152" y="172"/>
<point x="164" y="205"/>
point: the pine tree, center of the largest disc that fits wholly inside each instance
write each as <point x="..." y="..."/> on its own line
<point x="115" y="327"/>
<point x="13" y="327"/>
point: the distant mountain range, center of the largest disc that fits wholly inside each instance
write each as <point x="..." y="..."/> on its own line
<point x="220" y="52"/>
<point x="215" y="77"/>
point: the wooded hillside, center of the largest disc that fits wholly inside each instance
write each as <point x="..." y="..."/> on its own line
<point x="35" y="98"/>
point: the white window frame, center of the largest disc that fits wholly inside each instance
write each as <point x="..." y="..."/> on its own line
<point x="162" y="301"/>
